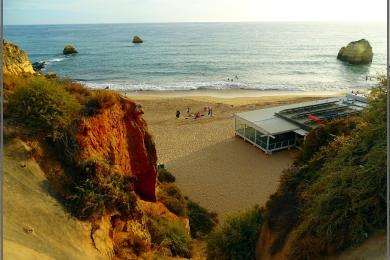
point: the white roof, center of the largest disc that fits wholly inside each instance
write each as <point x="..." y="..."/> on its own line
<point x="265" y="120"/>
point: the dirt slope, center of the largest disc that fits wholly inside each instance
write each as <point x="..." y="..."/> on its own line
<point x="35" y="224"/>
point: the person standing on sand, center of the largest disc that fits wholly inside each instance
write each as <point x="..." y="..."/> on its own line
<point x="177" y="114"/>
<point x="210" y="111"/>
<point x="188" y="111"/>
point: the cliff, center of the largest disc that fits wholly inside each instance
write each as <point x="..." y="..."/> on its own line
<point x="119" y="135"/>
<point x="15" y="60"/>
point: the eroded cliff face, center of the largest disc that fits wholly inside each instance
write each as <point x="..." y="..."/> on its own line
<point x="119" y="136"/>
<point x="15" y="60"/>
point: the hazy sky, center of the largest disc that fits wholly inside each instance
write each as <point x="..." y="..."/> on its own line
<point x="131" y="11"/>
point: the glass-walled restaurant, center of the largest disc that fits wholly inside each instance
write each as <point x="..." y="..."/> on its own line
<point x="266" y="142"/>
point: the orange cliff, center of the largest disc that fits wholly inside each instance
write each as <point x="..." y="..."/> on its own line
<point x="119" y="135"/>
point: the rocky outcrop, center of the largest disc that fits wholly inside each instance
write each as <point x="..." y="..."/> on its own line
<point x="357" y="52"/>
<point x="137" y="39"/>
<point x="38" y="66"/>
<point x="69" y="49"/>
<point x="15" y="60"/>
<point x="119" y="135"/>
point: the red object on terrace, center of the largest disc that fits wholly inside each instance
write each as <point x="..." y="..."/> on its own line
<point x="313" y="118"/>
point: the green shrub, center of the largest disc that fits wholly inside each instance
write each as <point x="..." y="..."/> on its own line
<point x="100" y="99"/>
<point x="43" y="106"/>
<point x="165" y="176"/>
<point x="202" y="222"/>
<point x="170" y="235"/>
<point x="172" y="198"/>
<point x="237" y="237"/>
<point x="93" y="196"/>
<point x="323" y="135"/>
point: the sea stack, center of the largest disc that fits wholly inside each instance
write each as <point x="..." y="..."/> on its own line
<point x="137" y="39"/>
<point x="69" y="49"/>
<point x="357" y="52"/>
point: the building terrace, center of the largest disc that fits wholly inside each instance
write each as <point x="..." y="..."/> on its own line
<point x="284" y="127"/>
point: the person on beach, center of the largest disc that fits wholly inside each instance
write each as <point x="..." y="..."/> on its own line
<point x="177" y="114"/>
<point x="197" y="115"/>
<point x="210" y="111"/>
<point x="188" y="111"/>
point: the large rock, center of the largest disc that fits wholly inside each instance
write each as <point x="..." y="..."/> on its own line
<point x="69" y="49"/>
<point x="137" y="39"/>
<point x="358" y="52"/>
<point x="15" y="60"/>
<point x="38" y="66"/>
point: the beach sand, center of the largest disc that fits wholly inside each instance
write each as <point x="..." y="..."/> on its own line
<point x="212" y="166"/>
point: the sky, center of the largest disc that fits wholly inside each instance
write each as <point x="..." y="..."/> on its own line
<point x="144" y="11"/>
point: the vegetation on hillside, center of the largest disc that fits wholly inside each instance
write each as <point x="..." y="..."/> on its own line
<point x="202" y="221"/>
<point x="334" y="196"/>
<point x="236" y="238"/>
<point x="42" y="106"/>
<point x="171" y="236"/>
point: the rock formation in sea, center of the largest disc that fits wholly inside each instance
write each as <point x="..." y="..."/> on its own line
<point x="15" y="60"/>
<point x="38" y="66"/>
<point x="137" y="39"/>
<point x="69" y="49"/>
<point x="357" y="52"/>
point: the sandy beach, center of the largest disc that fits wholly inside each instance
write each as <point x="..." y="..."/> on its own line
<point x="212" y="166"/>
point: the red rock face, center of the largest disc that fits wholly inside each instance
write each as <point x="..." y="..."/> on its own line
<point x="119" y="136"/>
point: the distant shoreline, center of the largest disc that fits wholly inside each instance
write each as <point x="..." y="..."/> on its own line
<point x="228" y="93"/>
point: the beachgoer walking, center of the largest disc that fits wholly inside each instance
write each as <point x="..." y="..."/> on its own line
<point x="211" y="111"/>
<point x="208" y="111"/>
<point x="366" y="77"/>
<point x="177" y="114"/>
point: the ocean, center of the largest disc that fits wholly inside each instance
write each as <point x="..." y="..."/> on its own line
<point x="187" y="56"/>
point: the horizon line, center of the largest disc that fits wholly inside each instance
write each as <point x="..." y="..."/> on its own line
<point x="187" y="22"/>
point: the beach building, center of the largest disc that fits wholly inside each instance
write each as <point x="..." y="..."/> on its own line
<point x="284" y="127"/>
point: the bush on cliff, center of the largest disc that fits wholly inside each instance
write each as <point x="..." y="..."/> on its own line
<point x="43" y="107"/>
<point x="171" y="196"/>
<point x="92" y="197"/>
<point x="100" y="99"/>
<point x="202" y="222"/>
<point x="170" y="235"/>
<point x="237" y="237"/>
<point x="165" y="176"/>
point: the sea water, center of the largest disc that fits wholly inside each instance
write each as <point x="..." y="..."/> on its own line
<point x="187" y="56"/>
